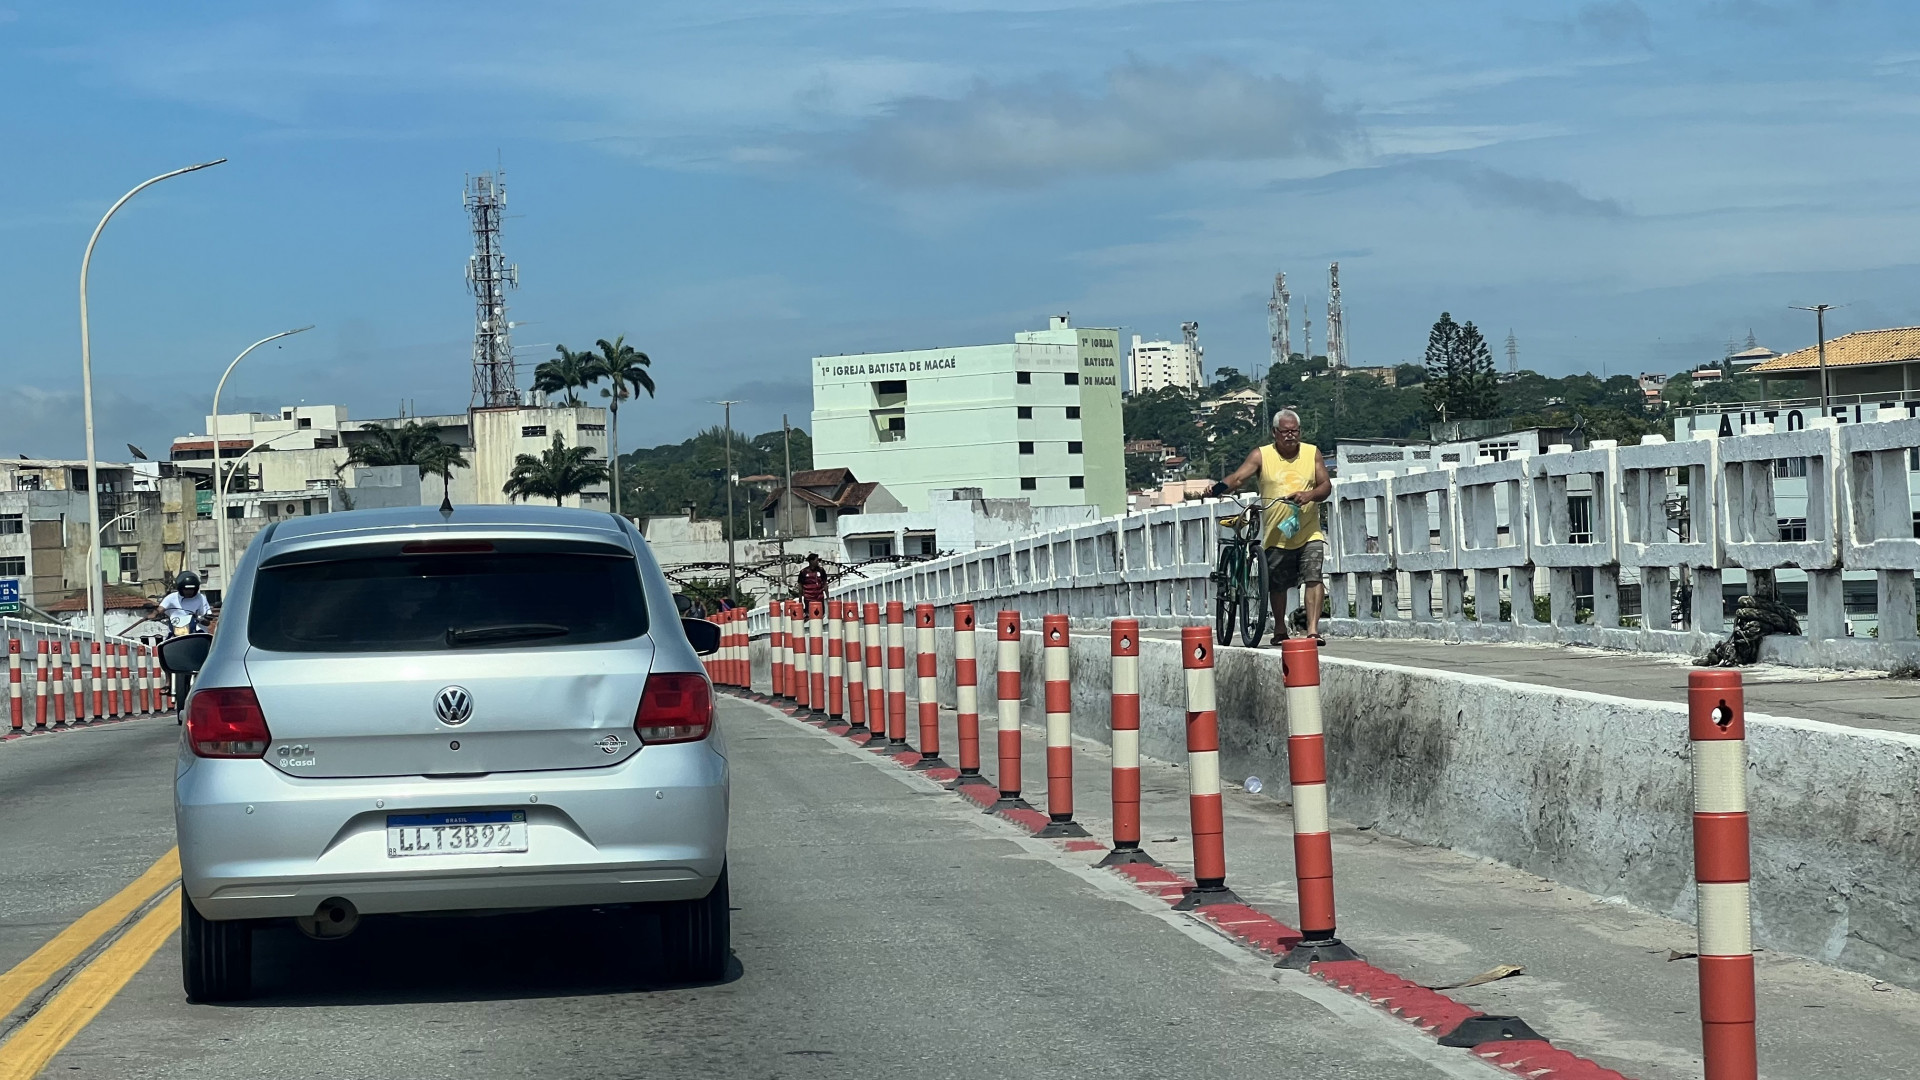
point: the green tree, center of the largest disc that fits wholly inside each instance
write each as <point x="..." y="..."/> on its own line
<point x="558" y="472"/>
<point x="625" y="369"/>
<point x="668" y="479"/>
<point x="1461" y="381"/>
<point x="415" y="443"/>
<point x="565" y="375"/>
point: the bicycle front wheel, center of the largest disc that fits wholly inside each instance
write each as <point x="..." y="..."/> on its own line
<point x="1226" y="594"/>
<point x="1254" y="603"/>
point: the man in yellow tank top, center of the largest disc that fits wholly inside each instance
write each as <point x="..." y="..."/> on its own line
<point x="1293" y="473"/>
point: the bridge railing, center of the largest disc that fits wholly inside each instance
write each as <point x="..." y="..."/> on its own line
<point x="1457" y="553"/>
<point x="55" y="675"/>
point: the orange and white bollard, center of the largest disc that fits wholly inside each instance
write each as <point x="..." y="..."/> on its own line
<point x="1203" y="774"/>
<point x="1312" y="833"/>
<point x="97" y="684"/>
<point x="817" y="661"/>
<point x="1007" y="688"/>
<point x="897" y="678"/>
<point x="853" y="653"/>
<point x="966" y="694"/>
<point x="145" y="686"/>
<point x="122" y="685"/>
<point x="836" y="663"/>
<point x="42" y="683"/>
<point x="16" y="704"/>
<point x="797" y="655"/>
<point x="777" y="649"/>
<point x="59" y="686"/>
<point x="1722" y="871"/>
<point x="926" y="668"/>
<point x="1057" y="672"/>
<point x="876" y="679"/>
<point x="76" y="682"/>
<point x="1125" y="725"/>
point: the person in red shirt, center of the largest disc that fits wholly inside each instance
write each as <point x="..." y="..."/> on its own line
<point x="813" y="582"/>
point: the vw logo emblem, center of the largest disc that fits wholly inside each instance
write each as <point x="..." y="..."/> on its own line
<point x="453" y="705"/>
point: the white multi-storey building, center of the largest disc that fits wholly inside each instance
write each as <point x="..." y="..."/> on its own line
<point x="1156" y="365"/>
<point x="1037" y="418"/>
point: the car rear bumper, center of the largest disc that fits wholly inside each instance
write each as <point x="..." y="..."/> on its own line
<point x="256" y="843"/>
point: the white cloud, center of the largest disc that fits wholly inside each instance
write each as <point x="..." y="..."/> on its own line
<point x="1145" y="118"/>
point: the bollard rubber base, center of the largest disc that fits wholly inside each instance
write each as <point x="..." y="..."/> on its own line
<point x="1476" y="1030"/>
<point x="1200" y="896"/>
<point x="860" y="728"/>
<point x="1008" y="802"/>
<point x="1308" y="953"/>
<point x="1058" y="829"/>
<point x="931" y="761"/>
<point x="1127" y="856"/>
<point x="969" y="780"/>
<point x="895" y="749"/>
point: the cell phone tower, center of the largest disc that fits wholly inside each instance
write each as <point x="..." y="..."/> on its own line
<point x="495" y="382"/>
<point x="1280" y="321"/>
<point x="1336" y="321"/>
<point x="1190" y="333"/>
<point x="1513" y="354"/>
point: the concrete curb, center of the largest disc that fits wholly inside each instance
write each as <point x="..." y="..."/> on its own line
<point x="1431" y="1012"/>
<point x="76" y="725"/>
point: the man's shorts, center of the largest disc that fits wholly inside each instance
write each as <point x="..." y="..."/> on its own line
<point x="1287" y="567"/>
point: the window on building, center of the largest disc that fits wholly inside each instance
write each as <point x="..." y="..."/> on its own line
<point x="1024" y="412"/>
<point x="1028" y="483"/>
<point x="819" y="515"/>
<point x="534" y="431"/>
<point x="76" y="479"/>
<point x="129" y="564"/>
<point x="890" y="393"/>
<point x="306" y="421"/>
<point x="925" y="543"/>
<point x="1026" y="447"/>
<point x="1073" y="412"/>
<point x="880" y="549"/>
<point x="12" y="524"/>
<point x="13" y="565"/>
<point x="127" y="521"/>
<point x="1076" y="481"/>
<point x="1790" y="466"/>
<point x="1579" y="519"/>
<point x="849" y="511"/>
<point x="236" y="513"/>
<point x="890" y="425"/>
<point x="1073" y="447"/>
<point x="172" y="518"/>
<point x="1023" y="377"/>
<point x="1073" y="378"/>
<point x="1793" y="528"/>
<point x="591" y="429"/>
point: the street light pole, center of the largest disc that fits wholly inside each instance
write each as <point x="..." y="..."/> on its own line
<point x="1820" y="323"/>
<point x="220" y="489"/>
<point x="96" y="591"/>
<point x="732" y="574"/>
<point x="786" y="511"/>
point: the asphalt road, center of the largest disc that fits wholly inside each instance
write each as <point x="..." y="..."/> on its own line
<point x="881" y="929"/>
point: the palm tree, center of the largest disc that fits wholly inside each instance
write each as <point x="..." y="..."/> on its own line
<point x="557" y="473"/>
<point x="412" y="443"/>
<point x="565" y="374"/>
<point x="625" y="369"/>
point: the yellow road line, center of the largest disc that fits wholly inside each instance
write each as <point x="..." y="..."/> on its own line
<point x="48" y="959"/>
<point x="34" y="1044"/>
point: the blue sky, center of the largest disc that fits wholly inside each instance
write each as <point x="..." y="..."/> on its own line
<point x="737" y="186"/>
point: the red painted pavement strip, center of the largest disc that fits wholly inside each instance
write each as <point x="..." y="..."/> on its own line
<point x="943" y="776"/>
<point x="1431" y="1011"/>
<point x="1539" y="1060"/>
<point x="78" y="725"/>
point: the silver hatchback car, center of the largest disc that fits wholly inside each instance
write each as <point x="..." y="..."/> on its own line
<point x="476" y="710"/>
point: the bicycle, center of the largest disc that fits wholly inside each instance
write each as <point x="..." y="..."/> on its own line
<point x="1240" y="576"/>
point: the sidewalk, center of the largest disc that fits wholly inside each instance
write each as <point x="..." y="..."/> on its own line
<point x="1597" y="974"/>
<point x="1850" y="698"/>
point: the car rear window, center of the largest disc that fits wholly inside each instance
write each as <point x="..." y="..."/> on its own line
<point x="446" y="601"/>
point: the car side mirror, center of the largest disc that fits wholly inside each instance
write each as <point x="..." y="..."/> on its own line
<point x="185" y="655"/>
<point x="702" y="635"/>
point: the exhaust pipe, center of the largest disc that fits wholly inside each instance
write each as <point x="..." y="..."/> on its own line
<point x="335" y="918"/>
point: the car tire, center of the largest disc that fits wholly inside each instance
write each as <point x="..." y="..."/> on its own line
<point x="216" y="958"/>
<point x="696" y="935"/>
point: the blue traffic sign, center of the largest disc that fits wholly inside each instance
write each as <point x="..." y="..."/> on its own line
<point x="9" y="595"/>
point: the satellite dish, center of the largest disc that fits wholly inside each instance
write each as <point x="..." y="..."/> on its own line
<point x="137" y="452"/>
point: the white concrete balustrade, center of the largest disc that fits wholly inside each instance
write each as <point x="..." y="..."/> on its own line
<point x="1431" y="554"/>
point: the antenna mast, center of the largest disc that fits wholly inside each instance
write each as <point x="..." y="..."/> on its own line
<point x="1190" y="332"/>
<point x="495" y="382"/>
<point x="1279" y="321"/>
<point x="1336" y="322"/>
<point x="1306" y="334"/>
<point x="1513" y="354"/>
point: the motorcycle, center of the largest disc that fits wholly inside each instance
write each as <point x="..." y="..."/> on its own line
<point x="185" y="624"/>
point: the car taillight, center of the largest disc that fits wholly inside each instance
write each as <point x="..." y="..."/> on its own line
<point x="226" y="722"/>
<point x="675" y="707"/>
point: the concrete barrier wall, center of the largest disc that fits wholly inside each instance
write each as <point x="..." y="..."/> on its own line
<point x="1588" y="790"/>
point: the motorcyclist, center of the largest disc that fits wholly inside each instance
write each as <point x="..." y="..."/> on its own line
<point x="185" y="599"/>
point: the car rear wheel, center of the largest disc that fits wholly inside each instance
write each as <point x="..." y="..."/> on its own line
<point x="696" y="935"/>
<point x="216" y="958"/>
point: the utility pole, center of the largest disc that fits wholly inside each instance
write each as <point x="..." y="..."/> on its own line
<point x="732" y="572"/>
<point x="1820" y="323"/>
<point x="786" y="499"/>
